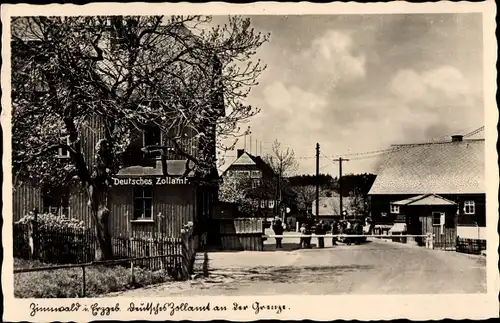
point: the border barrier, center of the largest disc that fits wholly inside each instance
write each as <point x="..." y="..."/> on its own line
<point x="428" y="238"/>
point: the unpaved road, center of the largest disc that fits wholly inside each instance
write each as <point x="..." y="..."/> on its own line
<point x="373" y="268"/>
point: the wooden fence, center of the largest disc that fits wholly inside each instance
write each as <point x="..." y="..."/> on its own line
<point x="472" y="246"/>
<point x="55" y="245"/>
<point x="241" y="234"/>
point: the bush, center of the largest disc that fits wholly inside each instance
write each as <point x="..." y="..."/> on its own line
<point x="59" y="240"/>
<point x="49" y="220"/>
<point x="67" y="283"/>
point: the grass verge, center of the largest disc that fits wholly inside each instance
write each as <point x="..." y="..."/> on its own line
<point x="67" y="283"/>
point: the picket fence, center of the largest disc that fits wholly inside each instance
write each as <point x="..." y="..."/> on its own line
<point x="59" y="246"/>
<point x="471" y="246"/>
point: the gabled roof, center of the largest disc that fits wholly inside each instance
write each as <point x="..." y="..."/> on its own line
<point x="439" y="168"/>
<point x="425" y="199"/>
<point x="247" y="159"/>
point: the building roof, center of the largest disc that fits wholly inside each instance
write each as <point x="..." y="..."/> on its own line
<point x="329" y="205"/>
<point x="174" y="168"/>
<point x="247" y="159"/>
<point x="425" y="199"/>
<point x="439" y="168"/>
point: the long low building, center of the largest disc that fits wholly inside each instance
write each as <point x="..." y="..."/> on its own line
<point x="433" y="187"/>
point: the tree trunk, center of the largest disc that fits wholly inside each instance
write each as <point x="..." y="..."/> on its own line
<point x="98" y="198"/>
<point x="101" y="214"/>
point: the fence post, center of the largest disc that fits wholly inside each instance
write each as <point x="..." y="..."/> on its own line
<point x="186" y="252"/>
<point x="132" y="278"/>
<point x="83" y="282"/>
<point x="33" y="236"/>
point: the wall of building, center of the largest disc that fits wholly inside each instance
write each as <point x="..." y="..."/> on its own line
<point x="381" y="203"/>
<point x="175" y="203"/>
<point x="178" y="204"/>
<point x="470" y="232"/>
<point x="25" y="198"/>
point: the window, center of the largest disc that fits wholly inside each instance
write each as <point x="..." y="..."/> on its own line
<point x="56" y="202"/>
<point x="143" y="203"/>
<point x="271" y="204"/>
<point x="437" y="218"/>
<point x="394" y="209"/>
<point x="469" y="207"/>
<point x="263" y="204"/>
<point x="152" y="137"/>
<point x="256" y="174"/>
<point x="242" y="173"/>
<point x="255" y="183"/>
<point x="63" y="152"/>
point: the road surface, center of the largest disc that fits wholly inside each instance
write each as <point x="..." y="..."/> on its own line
<point x="375" y="267"/>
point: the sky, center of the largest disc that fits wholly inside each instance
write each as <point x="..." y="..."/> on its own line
<point x="359" y="83"/>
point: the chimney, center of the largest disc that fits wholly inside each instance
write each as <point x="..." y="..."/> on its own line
<point x="239" y="152"/>
<point x="457" y="138"/>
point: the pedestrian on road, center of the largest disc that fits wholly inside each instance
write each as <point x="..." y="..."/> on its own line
<point x="335" y="230"/>
<point x="303" y="231"/>
<point x="319" y="231"/>
<point x="308" y="239"/>
<point x="278" y="230"/>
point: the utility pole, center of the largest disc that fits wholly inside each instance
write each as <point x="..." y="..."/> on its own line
<point x="278" y="194"/>
<point x="317" y="181"/>
<point x="340" y="160"/>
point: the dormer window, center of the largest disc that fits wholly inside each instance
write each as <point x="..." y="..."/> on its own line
<point x="152" y="136"/>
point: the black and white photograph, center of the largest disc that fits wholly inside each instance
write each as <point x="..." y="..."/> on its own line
<point x="248" y="154"/>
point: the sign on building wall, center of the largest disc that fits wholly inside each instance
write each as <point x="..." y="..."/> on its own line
<point x="149" y="181"/>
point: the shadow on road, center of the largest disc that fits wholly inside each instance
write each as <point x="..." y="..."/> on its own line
<point x="304" y="274"/>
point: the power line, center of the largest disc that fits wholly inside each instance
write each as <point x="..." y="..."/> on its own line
<point x="375" y="153"/>
<point x="474" y="132"/>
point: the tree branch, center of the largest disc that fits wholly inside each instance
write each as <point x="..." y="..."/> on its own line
<point x="41" y="152"/>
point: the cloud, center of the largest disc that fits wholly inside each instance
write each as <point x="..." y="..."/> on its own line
<point x="333" y="54"/>
<point x="328" y="62"/>
<point x="294" y="106"/>
<point x="444" y="84"/>
<point x="441" y="98"/>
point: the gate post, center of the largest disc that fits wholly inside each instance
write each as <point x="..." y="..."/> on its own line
<point x="429" y="241"/>
<point x="188" y="250"/>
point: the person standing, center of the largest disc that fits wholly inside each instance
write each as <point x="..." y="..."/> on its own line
<point x="308" y="239"/>
<point x="303" y="231"/>
<point x="319" y="231"/>
<point x="335" y="230"/>
<point x="278" y="230"/>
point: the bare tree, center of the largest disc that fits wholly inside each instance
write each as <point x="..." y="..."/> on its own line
<point x="284" y="164"/>
<point x="282" y="161"/>
<point x="130" y="72"/>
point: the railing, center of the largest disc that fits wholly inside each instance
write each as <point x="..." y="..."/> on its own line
<point x="181" y="253"/>
<point x="96" y="263"/>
